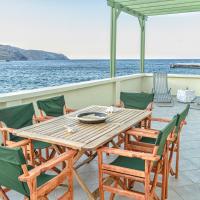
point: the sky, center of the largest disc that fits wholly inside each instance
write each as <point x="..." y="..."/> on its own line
<point x="80" y="29"/>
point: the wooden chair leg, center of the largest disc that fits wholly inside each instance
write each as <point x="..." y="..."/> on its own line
<point x="70" y="180"/>
<point x="101" y="191"/>
<point x="130" y="184"/>
<point x="167" y="177"/>
<point x="3" y="194"/>
<point x="163" y="188"/>
<point x="25" y="152"/>
<point x="32" y="154"/>
<point x="147" y="180"/>
<point x="47" y="153"/>
<point x="107" y="145"/>
<point x="112" y="195"/>
<point x="165" y="174"/>
<point x="177" y="158"/>
<point x="33" y="189"/>
<point x="127" y="138"/>
<point x="40" y="155"/>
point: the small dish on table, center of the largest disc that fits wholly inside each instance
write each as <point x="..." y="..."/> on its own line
<point x="92" y="117"/>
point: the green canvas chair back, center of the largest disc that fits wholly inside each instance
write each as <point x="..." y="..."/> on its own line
<point x="136" y="100"/>
<point x="181" y="116"/>
<point x="10" y="169"/>
<point x="52" y="106"/>
<point x="17" y="116"/>
<point x="164" y="133"/>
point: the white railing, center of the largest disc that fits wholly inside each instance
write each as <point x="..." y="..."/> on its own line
<point x="77" y="95"/>
<point x="101" y="92"/>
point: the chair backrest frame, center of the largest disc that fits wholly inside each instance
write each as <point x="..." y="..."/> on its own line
<point x="181" y="120"/>
<point x="160" y="83"/>
<point x="168" y="130"/>
<point x="17" y="116"/>
<point x="139" y="101"/>
<point x="11" y="161"/>
<point x="54" y="106"/>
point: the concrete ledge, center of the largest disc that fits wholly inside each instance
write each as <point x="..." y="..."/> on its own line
<point x="109" y="88"/>
<point x="13" y="96"/>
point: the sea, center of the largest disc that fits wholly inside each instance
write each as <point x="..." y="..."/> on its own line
<point x="25" y="75"/>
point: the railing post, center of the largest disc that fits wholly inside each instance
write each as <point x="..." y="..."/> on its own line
<point x="114" y="15"/>
<point x="142" y="42"/>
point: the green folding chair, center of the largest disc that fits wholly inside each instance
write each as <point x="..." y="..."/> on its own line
<point x="31" y="182"/>
<point x="133" y="166"/>
<point x="19" y="117"/>
<point x="175" y="145"/>
<point x="139" y="101"/>
<point x="53" y="107"/>
<point x="175" y="148"/>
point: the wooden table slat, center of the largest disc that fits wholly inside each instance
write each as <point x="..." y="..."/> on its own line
<point x="87" y="136"/>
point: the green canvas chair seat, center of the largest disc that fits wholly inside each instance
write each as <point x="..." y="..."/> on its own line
<point x="139" y="164"/>
<point x="136" y="100"/>
<point x="40" y="145"/>
<point x="148" y="140"/>
<point x="131" y="163"/>
<point x="11" y="160"/>
<point x="19" y="117"/>
<point x="52" y="106"/>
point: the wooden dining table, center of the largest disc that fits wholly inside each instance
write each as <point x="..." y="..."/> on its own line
<point x="85" y="137"/>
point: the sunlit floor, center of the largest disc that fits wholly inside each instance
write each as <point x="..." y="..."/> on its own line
<point x="187" y="187"/>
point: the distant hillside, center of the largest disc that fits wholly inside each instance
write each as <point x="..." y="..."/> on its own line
<point x="10" y="53"/>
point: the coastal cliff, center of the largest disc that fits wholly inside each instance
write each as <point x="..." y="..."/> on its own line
<point x="10" y="53"/>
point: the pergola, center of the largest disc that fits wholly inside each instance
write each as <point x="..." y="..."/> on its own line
<point x="142" y="9"/>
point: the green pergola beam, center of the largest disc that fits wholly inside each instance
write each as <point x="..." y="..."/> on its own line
<point x="172" y="11"/>
<point x="167" y="7"/>
<point x="142" y="43"/>
<point x="157" y="3"/>
<point x="143" y="2"/>
<point x="142" y="9"/>
<point x="125" y="9"/>
<point x="114" y="15"/>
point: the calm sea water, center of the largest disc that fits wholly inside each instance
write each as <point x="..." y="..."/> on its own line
<point x="23" y="75"/>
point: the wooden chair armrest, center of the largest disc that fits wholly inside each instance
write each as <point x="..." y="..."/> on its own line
<point x="118" y="105"/>
<point x="47" y="165"/>
<point x="143" y="132"/>
<point x="69" y="110"/>
<point x="20" y="143"/>
<point x="160" y="119"/>
<point x="130" y="154"/>
<point x="42" y="119"/>
<point x="184" y="122"/>
<point x="3" y="129"/>
<point x="150" y="107"/>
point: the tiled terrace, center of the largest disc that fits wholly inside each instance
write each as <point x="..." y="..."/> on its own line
<point x="187" y="187"/>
